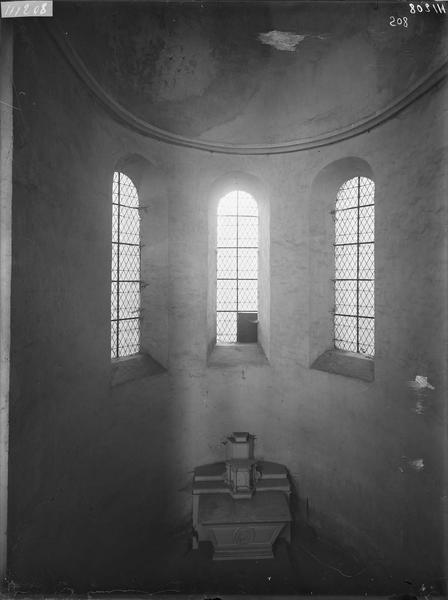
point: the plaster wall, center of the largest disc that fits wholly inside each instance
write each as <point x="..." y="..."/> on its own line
<point x="100" y="475"/>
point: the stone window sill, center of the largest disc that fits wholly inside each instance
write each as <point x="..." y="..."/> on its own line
<point x="134" y="367"/>
<point x="237" y="355"/>
<point x="348" y="364"/>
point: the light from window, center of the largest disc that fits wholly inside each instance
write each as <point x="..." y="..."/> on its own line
<point x="125" y="292"/>
<point x="354" y="326"/>
<point x="237" y="267"/>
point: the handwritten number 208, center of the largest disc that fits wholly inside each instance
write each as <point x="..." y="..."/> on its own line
<point x="394" y="21"/>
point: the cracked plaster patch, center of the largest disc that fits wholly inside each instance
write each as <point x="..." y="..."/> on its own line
<point x="281" y="40"/>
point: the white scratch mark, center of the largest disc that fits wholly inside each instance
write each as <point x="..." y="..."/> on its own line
<point x="421" y="382"/>
<point x="417" y="464"/>
<point x="281" y="40"/>
<point x="419" y="407"/>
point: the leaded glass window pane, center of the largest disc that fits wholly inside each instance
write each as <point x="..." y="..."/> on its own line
<point x="354" y="327"/>
<point x="237" y="263"/>
<point x="125" y="271"/>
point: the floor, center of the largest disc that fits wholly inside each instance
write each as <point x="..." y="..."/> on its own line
<point x="308" y="567"/>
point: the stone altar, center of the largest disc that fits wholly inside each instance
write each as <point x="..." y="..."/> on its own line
<point x="241" y="505"/>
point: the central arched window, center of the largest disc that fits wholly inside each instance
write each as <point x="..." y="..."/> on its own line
<point x="354" y="326"/>
<point x="237" y="269"/>
<point x="125" y="285"/>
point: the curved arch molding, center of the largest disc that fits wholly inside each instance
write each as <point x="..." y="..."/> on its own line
<point x="122" y="115"/>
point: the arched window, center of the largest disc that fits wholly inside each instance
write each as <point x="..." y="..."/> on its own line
<point x="354" y="326"/>
<point x="125" y="291"/>
<point x="237" y="269"/>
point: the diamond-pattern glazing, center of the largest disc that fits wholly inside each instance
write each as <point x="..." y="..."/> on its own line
<point x="129" y="225"/>
<point x="345" y="333"/>
<point x="366" y="336"/>
<point x="366" y="261"/>
<point x="129" y="263"/>
<point x="129" y="338"/>
<point x="129" y="295"/>
<point x="114" y="266"/>
<point x="347" y="196"/>
<point x="346" y="261"/>
<point x="227" y="232"/>
<point x="226" y="267"/>
<point x="366" y="298"/>
<point x="345" y="226"/>
<point x="238" y="203"/>
<point x="247" y="295"/>
<point x="366" y="223"/>
<point x="226" y="294"/>
<point x="237" y="262"/>
<point x="345" y="297"/>
<point x="247" y="263"/>
<point x="366" y="191"/>
<point x="113" y="301"/>
<point x="248" y="232"/>
<point x="355" y="266"/>
<point x="114" y="221"/>
<point x="247" y="204"/>
<point x="226" y="327"/>
<point x="125" y="268"/>
<point x="124" y="191"/>
<point x="113" y="339"/>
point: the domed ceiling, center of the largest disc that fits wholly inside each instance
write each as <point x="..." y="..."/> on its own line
<point x="253" y="73"/>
